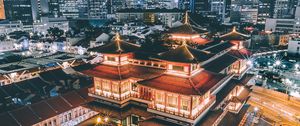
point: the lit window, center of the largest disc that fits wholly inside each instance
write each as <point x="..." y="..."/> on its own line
<point x="172" y="101"/>
<point x="178" y="68"/>
<point x="111" y="58"/>
<point x="184" y="104"/>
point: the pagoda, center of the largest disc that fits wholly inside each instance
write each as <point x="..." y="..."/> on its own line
<point x="236" y="38"/>
<point x="176" y="84"/>
<point x="187" y="32"/>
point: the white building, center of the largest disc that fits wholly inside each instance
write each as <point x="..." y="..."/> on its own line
<point x="12" y="26"/>
<point x="7" y="45"/>
<point x="294" y="46"/>
<point x="291" y="26"/>
<point x="45" y="23"/>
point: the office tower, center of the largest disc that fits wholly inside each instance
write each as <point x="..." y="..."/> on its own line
<point x="198" y="6"/>
<point x="265" y="10"/>
<point x="97" y="9"/>
<point x="19" y="10"/>
<point x="54" y="8"/>
<point x="73" y="8"/>
<point x="2" y="12"/>
<point x="244" y="11"/>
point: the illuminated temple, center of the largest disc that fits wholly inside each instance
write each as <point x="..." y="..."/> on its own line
<point x="180" y="84"/>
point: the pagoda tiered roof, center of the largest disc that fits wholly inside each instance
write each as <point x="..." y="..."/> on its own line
<point x="241" y="53"/>
<point x="234" y="35"/>
<point x="195" y="85"/>
<point x="185" y="54"/>
<point x="116" y="46"/>
<point x="186" y="28"/>
<point x="123" y="72"/>
<point x="220" y="63"/>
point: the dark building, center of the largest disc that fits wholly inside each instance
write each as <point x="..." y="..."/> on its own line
<point x="198" y="6"/>
<point x="114" y="5"/>
<point x="19" y="10"/>
<point x="265" y="10"/>
<point x="54" y="8"/>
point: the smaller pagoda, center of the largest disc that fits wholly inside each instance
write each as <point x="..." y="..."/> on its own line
<point x="187" y="32"/>
<point x="116" y="52"/>
<point x="236" y="38"/>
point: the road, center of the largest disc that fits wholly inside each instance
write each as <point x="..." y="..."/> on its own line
<point x="276" y="109"/>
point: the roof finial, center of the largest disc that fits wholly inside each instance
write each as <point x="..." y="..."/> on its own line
<point x="117" y="37"/>
<point x="234" y="29"/>
<point x="184" y="43"/>
<point x="186" y="19"/>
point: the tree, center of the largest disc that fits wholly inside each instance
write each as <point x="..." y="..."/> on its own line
<point x="55" y="32"/>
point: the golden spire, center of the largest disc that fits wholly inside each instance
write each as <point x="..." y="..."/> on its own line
<point x="118" y="39"/>
<point x="184" y="43"/>
<point x="186" y="19"/>
<point x="234" y="29"/>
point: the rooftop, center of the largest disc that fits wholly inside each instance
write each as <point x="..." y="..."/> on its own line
<point x="185" y="54"/>
<point x="37" y="112"/>
<point x="117" y="46"/>
<point x="196" y="85"/>
<point x="234" y="35"/>
<point x="123" y="72"/>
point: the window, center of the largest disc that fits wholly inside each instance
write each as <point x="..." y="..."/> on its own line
<point x="115" y="88"/>
<point x="124" y="122"/>
<point x="184" y="104"/>
<point x="172" y="101"/>
<point x="106" y="86"/>
<point x="111" y="58"/>
<point x="195" y="102"/>
<point x="160" y="97"/>
<point x="125" y="87"/>
<point x="135" y="120"/>
<point x="178" y="68"/>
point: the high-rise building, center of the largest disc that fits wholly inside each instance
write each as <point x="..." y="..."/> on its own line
<point x="281" y="9"/>
<point x="54" y="8"/>
<point x="97" y="9"/>
<point x="2" y="12"/>
<point x="198" y="6"/>
<point x="220" y="8"/>
<point x="19" y="10"/>
<point x="39" y="8"/>
<point x="114" y="5"/>
<point x="244" y="11"/>
<point x="73" y="8"/>
<point x="265" y="10"/>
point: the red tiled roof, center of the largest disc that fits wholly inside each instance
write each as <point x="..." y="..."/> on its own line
<point x="35" y="113"/>
<point x="234" y="35"/>
<point x="185" y="54"/>
<point x="242" y="53"/>
<point x="198" y="84"/>
<point x="73" y="98"/>
<point x="219" y="64"/>
<point x="43" y="110"/>
<point x="122" y="72"/>
<point x="59" y="104"/>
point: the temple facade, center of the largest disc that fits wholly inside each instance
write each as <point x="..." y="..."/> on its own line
<point x="180" y="84"/>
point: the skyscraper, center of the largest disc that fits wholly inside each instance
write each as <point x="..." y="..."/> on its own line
<point x="97" y="9"/>
<point x="2" y="12"/>
<point x="265" y="10"/>
<point x="19" y="10"/>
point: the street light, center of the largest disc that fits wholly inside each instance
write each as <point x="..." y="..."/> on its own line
<point x="277" y="63"/>
<point x="99" y="120"/>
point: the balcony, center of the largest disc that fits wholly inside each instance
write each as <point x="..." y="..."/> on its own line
<point x="172" y="113"/>
<point x="116" y="98"/>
